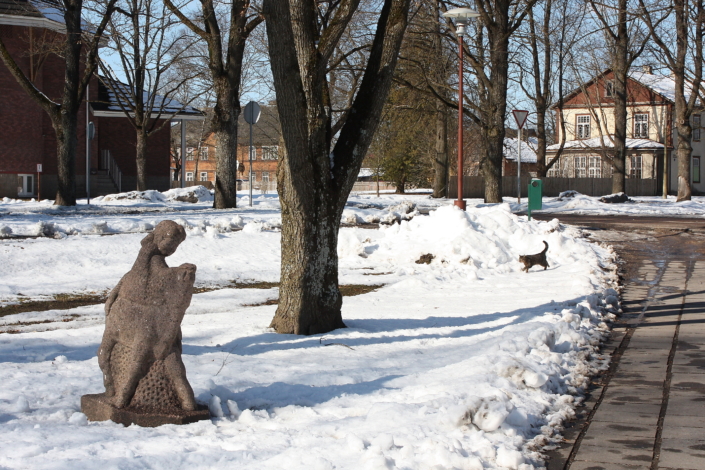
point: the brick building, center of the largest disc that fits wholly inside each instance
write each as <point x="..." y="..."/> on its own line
<point x="266" y="134"/>
<point x="28" y="28"/>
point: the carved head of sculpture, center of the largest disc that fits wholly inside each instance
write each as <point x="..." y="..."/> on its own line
<point x="166" y="237"/>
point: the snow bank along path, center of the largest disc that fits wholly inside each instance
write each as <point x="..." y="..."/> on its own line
<point x="464" y="363"/>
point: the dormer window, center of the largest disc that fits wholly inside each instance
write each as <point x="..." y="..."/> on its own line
<point x="583" y="126"/>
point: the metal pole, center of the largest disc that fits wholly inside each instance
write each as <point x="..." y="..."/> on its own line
<point x="88" y="147"/>
<point x="460" y="202"/>
<point x="250" y="164"/>
<point x="519" y="170"/>
<point x="183" y="153"/>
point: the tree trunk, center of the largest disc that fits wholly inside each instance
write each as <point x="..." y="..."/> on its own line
<point x="141" y="160"/>
<point x="225" y="115"/>
<point x="440" y="163"/>
<point x="620" y="68"/>
<point x="314" y="181"/>
<point x="309" y="298"/>
<point x="495" y="106"/>
<point x="65" y="125"/>
<point x="683" y="151"/>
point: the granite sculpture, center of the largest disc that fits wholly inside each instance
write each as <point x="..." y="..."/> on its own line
<point x="140" y="354"/>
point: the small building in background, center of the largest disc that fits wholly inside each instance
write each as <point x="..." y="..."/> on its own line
<point x="528" y="156"/>
<point x="201" y="152"/>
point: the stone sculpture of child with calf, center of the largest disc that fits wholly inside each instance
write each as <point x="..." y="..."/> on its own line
<point x="140" y="354"/>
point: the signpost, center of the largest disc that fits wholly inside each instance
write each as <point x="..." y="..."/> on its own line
<point x="252" y="114"/>
<point x="520" y="117"/>
<point x="39" y="182"/>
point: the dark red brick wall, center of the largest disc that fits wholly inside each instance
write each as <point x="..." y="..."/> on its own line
<point x="119" y="136"/>
<point x="27" y="136"/>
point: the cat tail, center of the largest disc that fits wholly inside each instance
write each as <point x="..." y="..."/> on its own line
<point x="545" y="249"/>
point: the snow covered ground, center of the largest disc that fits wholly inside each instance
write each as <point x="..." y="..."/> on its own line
<point x="463" y="363"/>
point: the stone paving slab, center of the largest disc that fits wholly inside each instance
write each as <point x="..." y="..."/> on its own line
<point x="600" y="453"/>
<point x="683" y="453"/>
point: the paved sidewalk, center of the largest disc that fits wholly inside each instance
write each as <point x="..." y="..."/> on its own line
<point x="648" y="411"/>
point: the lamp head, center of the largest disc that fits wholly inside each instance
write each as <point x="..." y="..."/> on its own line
<point x="461" y="17"/>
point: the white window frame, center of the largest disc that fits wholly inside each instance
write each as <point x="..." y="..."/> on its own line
<point x="582" y="129"/>
<point x="22" y="189"/>
<point x="189" y="176"/>
<point x="594" y="166"/>
<point x="204" y="176"/>
<point x="204" y="153"/>
<point x="265" y="177"/>
<point x="270" y="152"/>
<point x="641" y="125"/>
<point x="580" y="166"/>
<point x="189" y="153"/>
<point x="636" y="166"/>
<point x="555" y="170"/>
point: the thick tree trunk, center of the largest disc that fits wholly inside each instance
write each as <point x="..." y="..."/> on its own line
<point x="309" y="298"/>
<point x="495" y="107"/>
<point x="683" y="151"/>
<point x="619" y="157"/>
<point x="225" y="116"/>
<point x="314" y="181"/>
<point x="620" y="68"/>
<point x="141" y="160"/>
<point x="65" y="125"/>
<point x="541" y="166"/>
<point x="440" y="163"/>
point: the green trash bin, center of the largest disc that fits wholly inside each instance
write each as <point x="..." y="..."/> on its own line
<point x="535" y="195"/>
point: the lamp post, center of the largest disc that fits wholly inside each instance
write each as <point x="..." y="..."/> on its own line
<point x="461" y="17"/>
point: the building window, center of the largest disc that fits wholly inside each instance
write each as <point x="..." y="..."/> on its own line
<point x="594" y="167"/>
<point x="696" y="127"/>
<point x="635" y="170"/>
<point x="580" y="163"/>
<point x="555" y="170"/>
<point x="204" y="153"/>
<point x="270" y="152"/>
<point x="265" y="177"/>
<point x="696" y="169"/>
<point x="204" y="176"/>
<point x="189" y="153"/>
<point x="25" y="185"/>
<point x="609" y="88"/>
<point x="189" y="176"/>
<point x="641" y="126"/>
<point x="583" y="125"/>
<point x="254" y="176"/>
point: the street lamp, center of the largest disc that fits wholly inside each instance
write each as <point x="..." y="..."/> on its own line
<point x="461" y="17"/>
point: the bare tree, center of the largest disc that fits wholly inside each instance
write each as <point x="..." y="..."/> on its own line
<point x="688" y="26"/>
<point x="79" y="50"/>
<point x="225" y="58"/>
<point x="545" y="42"/>
<point x="144" y="40"/>
<point x="488" y="54"/>
<point x="317" y="173"/>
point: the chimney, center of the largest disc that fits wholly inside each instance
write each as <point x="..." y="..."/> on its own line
<point x="647" y="69"/>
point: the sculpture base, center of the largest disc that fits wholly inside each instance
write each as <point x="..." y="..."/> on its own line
<point x="97" y="408"/>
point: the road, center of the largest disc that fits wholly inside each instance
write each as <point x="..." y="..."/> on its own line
<point x="648" y="410"/>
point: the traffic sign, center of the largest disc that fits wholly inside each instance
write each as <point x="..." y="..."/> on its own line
<point x="520" y="117"/>
<point x="252" y="112"/>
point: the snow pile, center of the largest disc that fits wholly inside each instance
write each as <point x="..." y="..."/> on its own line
<point x="191" y="194"/>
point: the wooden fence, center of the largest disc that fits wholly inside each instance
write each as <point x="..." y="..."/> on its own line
<point x="474" y="186"/>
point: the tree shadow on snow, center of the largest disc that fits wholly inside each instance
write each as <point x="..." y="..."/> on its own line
<point x="429" y="329"/>
<point x="280" y="394"/>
